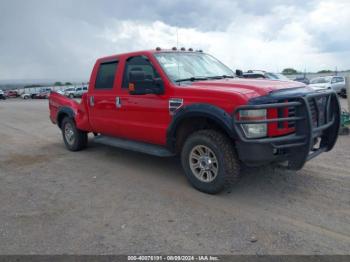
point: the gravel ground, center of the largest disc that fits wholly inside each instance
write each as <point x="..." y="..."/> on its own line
<point x="110" y="201"/>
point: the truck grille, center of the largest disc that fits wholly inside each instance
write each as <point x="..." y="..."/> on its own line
<point x="291" y="113"/>
<point x="318" y="108"/>
<point x="313" y="111"/>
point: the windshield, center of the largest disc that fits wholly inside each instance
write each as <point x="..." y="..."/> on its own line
<point x="320" y="80"/>
<point x="191" y="65"/>
<point x="277" y="76"/>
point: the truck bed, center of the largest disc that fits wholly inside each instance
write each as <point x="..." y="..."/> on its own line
<point x="61" y="106"/>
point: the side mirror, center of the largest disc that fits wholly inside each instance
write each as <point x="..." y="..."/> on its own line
<point x="239" y="73"/>
<point x="140" y="84"/>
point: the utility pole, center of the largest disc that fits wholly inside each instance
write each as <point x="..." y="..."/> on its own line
<point x="347" y="83"/>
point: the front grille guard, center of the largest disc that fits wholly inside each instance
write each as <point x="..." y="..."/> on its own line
<point x="303" y="141"/>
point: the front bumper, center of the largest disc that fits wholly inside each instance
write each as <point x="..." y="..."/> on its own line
<point x="316" y="129"/>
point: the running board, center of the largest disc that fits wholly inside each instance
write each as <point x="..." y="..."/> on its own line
<point x="134" y="146"/>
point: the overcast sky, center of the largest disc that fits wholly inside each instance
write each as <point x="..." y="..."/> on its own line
<point x="61" y="39"/>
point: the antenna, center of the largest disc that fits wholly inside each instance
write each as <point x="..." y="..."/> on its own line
<point x="177" y="38"/>
<point x="177" y="46"/>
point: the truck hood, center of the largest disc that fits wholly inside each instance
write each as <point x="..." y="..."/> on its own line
<point x="247" y="87"/>
<point x="319" y="86"/>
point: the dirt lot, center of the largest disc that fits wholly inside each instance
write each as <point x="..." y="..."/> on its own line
<point x="107" y="200"/>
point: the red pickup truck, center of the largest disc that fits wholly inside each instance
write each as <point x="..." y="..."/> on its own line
<point x="187" y="103"/>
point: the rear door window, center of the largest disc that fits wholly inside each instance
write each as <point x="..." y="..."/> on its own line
<point x="106" y="75"/>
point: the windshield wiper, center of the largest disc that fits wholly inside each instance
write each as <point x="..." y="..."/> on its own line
<point x="191" y="79"/>
<point x="220" y="77"/>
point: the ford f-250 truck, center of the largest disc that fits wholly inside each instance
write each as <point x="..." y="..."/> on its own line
<point x="187" y="103"/>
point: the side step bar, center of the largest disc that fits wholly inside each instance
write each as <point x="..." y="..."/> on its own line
<point x="134" y="146"/>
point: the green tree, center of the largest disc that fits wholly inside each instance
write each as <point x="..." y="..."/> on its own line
<point x="68" y="83"/>
<point x="57" y="84"/>
<point x="289" y="71"/>
<point x="34" y="85"/>
<point x="325" y="71"/>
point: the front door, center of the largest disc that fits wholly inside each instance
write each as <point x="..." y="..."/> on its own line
<point x="143" y="117"/>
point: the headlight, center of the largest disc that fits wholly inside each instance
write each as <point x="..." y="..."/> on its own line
<point x="253" y="130"/>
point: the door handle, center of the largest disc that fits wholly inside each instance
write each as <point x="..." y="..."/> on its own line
<point x="92" y="102"/>
<point x="118" y="102"/>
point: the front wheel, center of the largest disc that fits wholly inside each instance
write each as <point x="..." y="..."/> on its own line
<point x="73" y="138"/>
<point x="210" y="161"/>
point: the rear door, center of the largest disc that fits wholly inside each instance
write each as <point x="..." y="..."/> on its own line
<point x="102" y="99"/>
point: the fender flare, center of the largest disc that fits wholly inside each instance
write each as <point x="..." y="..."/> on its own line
<point x="216" y="114"/>
<point x="62" y="112"/>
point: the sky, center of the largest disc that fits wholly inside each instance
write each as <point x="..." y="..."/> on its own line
<point x="62" y="39"/>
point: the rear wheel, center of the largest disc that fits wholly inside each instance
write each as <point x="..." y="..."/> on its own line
<point x="210" y="161"/>
<point x="73" y="138"/>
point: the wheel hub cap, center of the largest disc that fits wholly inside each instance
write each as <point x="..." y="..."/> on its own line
<point x="69" y="133"/>
<point x="204" y="163"/>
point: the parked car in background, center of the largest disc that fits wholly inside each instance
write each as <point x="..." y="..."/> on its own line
<point x="40" y="92"/>
<point x="337" y="83"/>
<point x="11" y="93"/>
<point x="260" y="74"/>
<point x="61" y="92"/>
<point x="75" y="91"/>
<point x="25" y="95"/>
<point x="43" y="93"/>
<point x="303" y="79"/>
<point x="2" y="95"/>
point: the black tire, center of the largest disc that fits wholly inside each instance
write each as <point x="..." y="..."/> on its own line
<point x="79" y="138"/>
<point x="343" y="93"/>
<point x="228" y="166"/>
